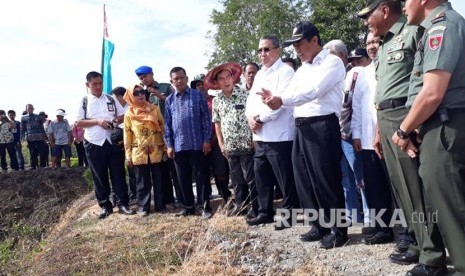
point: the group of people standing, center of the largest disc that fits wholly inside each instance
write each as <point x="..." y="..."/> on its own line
<point x="44" y="138"/>
<point x="381" y="126"/>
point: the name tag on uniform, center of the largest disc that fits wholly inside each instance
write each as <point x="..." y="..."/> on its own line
<point x="111" y="107"/>
<point x="395" y="47"/>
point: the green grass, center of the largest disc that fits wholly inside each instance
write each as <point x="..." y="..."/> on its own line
<point x="6" y="251"/>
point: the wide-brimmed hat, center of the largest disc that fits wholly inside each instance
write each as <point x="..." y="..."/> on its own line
<point x="210" y="79"/>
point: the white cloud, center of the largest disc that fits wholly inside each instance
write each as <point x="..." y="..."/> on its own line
<point x="48" y="46"/>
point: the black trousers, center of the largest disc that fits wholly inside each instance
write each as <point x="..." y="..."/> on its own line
<point x="104" y="160"/>
<point x="243" y="180"/>
<point x="36" y="149"/>
<point x="148" y="176"/>
<point x="215" y="163"/>
<point x="188" y="163"/>
<point x="81" y="154"/>
<point x="132" y="182"/>
<point x="170" y="180"/>
<point x="10" y="147"/>
<point x="377" y="187"/>
<point x="273" y="164"/>
<point x="316" y="155"/>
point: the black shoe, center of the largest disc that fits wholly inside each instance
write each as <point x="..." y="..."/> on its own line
<point x="206" y="214"/>
<point x="105" y="212"/>
<point x="125" y="210"/>
<point x="368" y="231"/>
<point x="260" y="219"/>
<point x="332" y="240"/>
<point x="143" y="213"/>
<point x="426" y="270"/>
<point x="402" y="246"/>
<point x="185" y="212"/>
<point x="403" y="258"/>
<point x="250" y="215"/>
<point x="161" y="210"/>
<point x="282" y="224"/>
<point x="378" y="238"/>
<point x="312" y="235"/>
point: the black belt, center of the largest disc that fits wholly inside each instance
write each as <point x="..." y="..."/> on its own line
<point x="306" y="120"/>
<point x="387" y="104"/>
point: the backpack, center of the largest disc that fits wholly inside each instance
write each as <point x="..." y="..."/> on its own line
<point x="116" y="132"/>
<point x="84" y="105"/>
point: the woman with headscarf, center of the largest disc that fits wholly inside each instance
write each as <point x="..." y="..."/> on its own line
<point x="144" y="146"/>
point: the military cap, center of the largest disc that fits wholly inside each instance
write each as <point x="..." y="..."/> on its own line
<point x="370" y="6"/>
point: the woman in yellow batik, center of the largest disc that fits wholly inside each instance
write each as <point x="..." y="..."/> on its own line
<point x="144" y="146"/>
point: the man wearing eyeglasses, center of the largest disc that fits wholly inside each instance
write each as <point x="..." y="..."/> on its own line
<point x="315" y="93"/>
<point x="395" y="64"/>
<point x="273" y="133"/>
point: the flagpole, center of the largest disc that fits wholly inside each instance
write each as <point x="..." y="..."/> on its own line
<point x="107" y="53"/>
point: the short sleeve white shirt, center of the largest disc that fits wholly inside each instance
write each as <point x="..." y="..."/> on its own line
<point x="98" y="108"/>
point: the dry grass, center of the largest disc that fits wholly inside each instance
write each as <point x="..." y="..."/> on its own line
<point x="130" y="245"/>
<point x="53" y="229"/>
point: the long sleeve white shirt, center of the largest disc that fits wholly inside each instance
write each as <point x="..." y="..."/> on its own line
<point x="317" y="87"/>
<point x="278" y="125"/>
<point x="364" y="119"/>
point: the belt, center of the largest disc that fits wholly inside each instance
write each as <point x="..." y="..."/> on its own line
<point x="387" y="104"/>
<point x="306" y="120"/>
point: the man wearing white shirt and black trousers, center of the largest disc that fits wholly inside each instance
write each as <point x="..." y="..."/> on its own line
<point x="363" y="126"/>
<point x="273" y="132"/>
<point x="316" y="95"/>
<point x="97" y="114"/>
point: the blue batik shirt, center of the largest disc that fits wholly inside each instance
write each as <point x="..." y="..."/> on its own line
<point x="187" y="121"/>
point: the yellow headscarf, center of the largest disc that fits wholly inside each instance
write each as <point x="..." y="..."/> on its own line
<point x="141" y="112"/>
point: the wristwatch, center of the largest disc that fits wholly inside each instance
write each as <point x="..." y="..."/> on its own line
<point x="402" y="134"/>
<point x="257" y="119"/>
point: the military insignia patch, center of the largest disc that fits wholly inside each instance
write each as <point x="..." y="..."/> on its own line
<point x="435" y="41"/>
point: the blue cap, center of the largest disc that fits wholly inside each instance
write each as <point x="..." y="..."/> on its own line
<point x="143" y="70"/>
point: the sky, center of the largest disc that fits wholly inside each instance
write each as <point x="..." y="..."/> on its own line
<point x="47" y="47"/>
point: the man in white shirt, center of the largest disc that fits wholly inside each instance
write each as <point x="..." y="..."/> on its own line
<point x="273" y="132"/>
<point x="316" y="95"/>
<point x="351" y="162"/>
<point x="363" y="126"/>
<point x="98" y="114"/>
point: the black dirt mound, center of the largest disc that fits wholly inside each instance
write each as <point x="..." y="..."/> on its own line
<point x="31" y="201"/>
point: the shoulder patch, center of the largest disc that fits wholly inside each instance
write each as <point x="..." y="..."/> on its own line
<point x="435" y="41"/>
<point x="436" y="28"/>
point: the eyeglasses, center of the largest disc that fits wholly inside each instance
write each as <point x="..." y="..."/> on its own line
<point x="265" y="50"/>
<point x="138" y="93"/>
